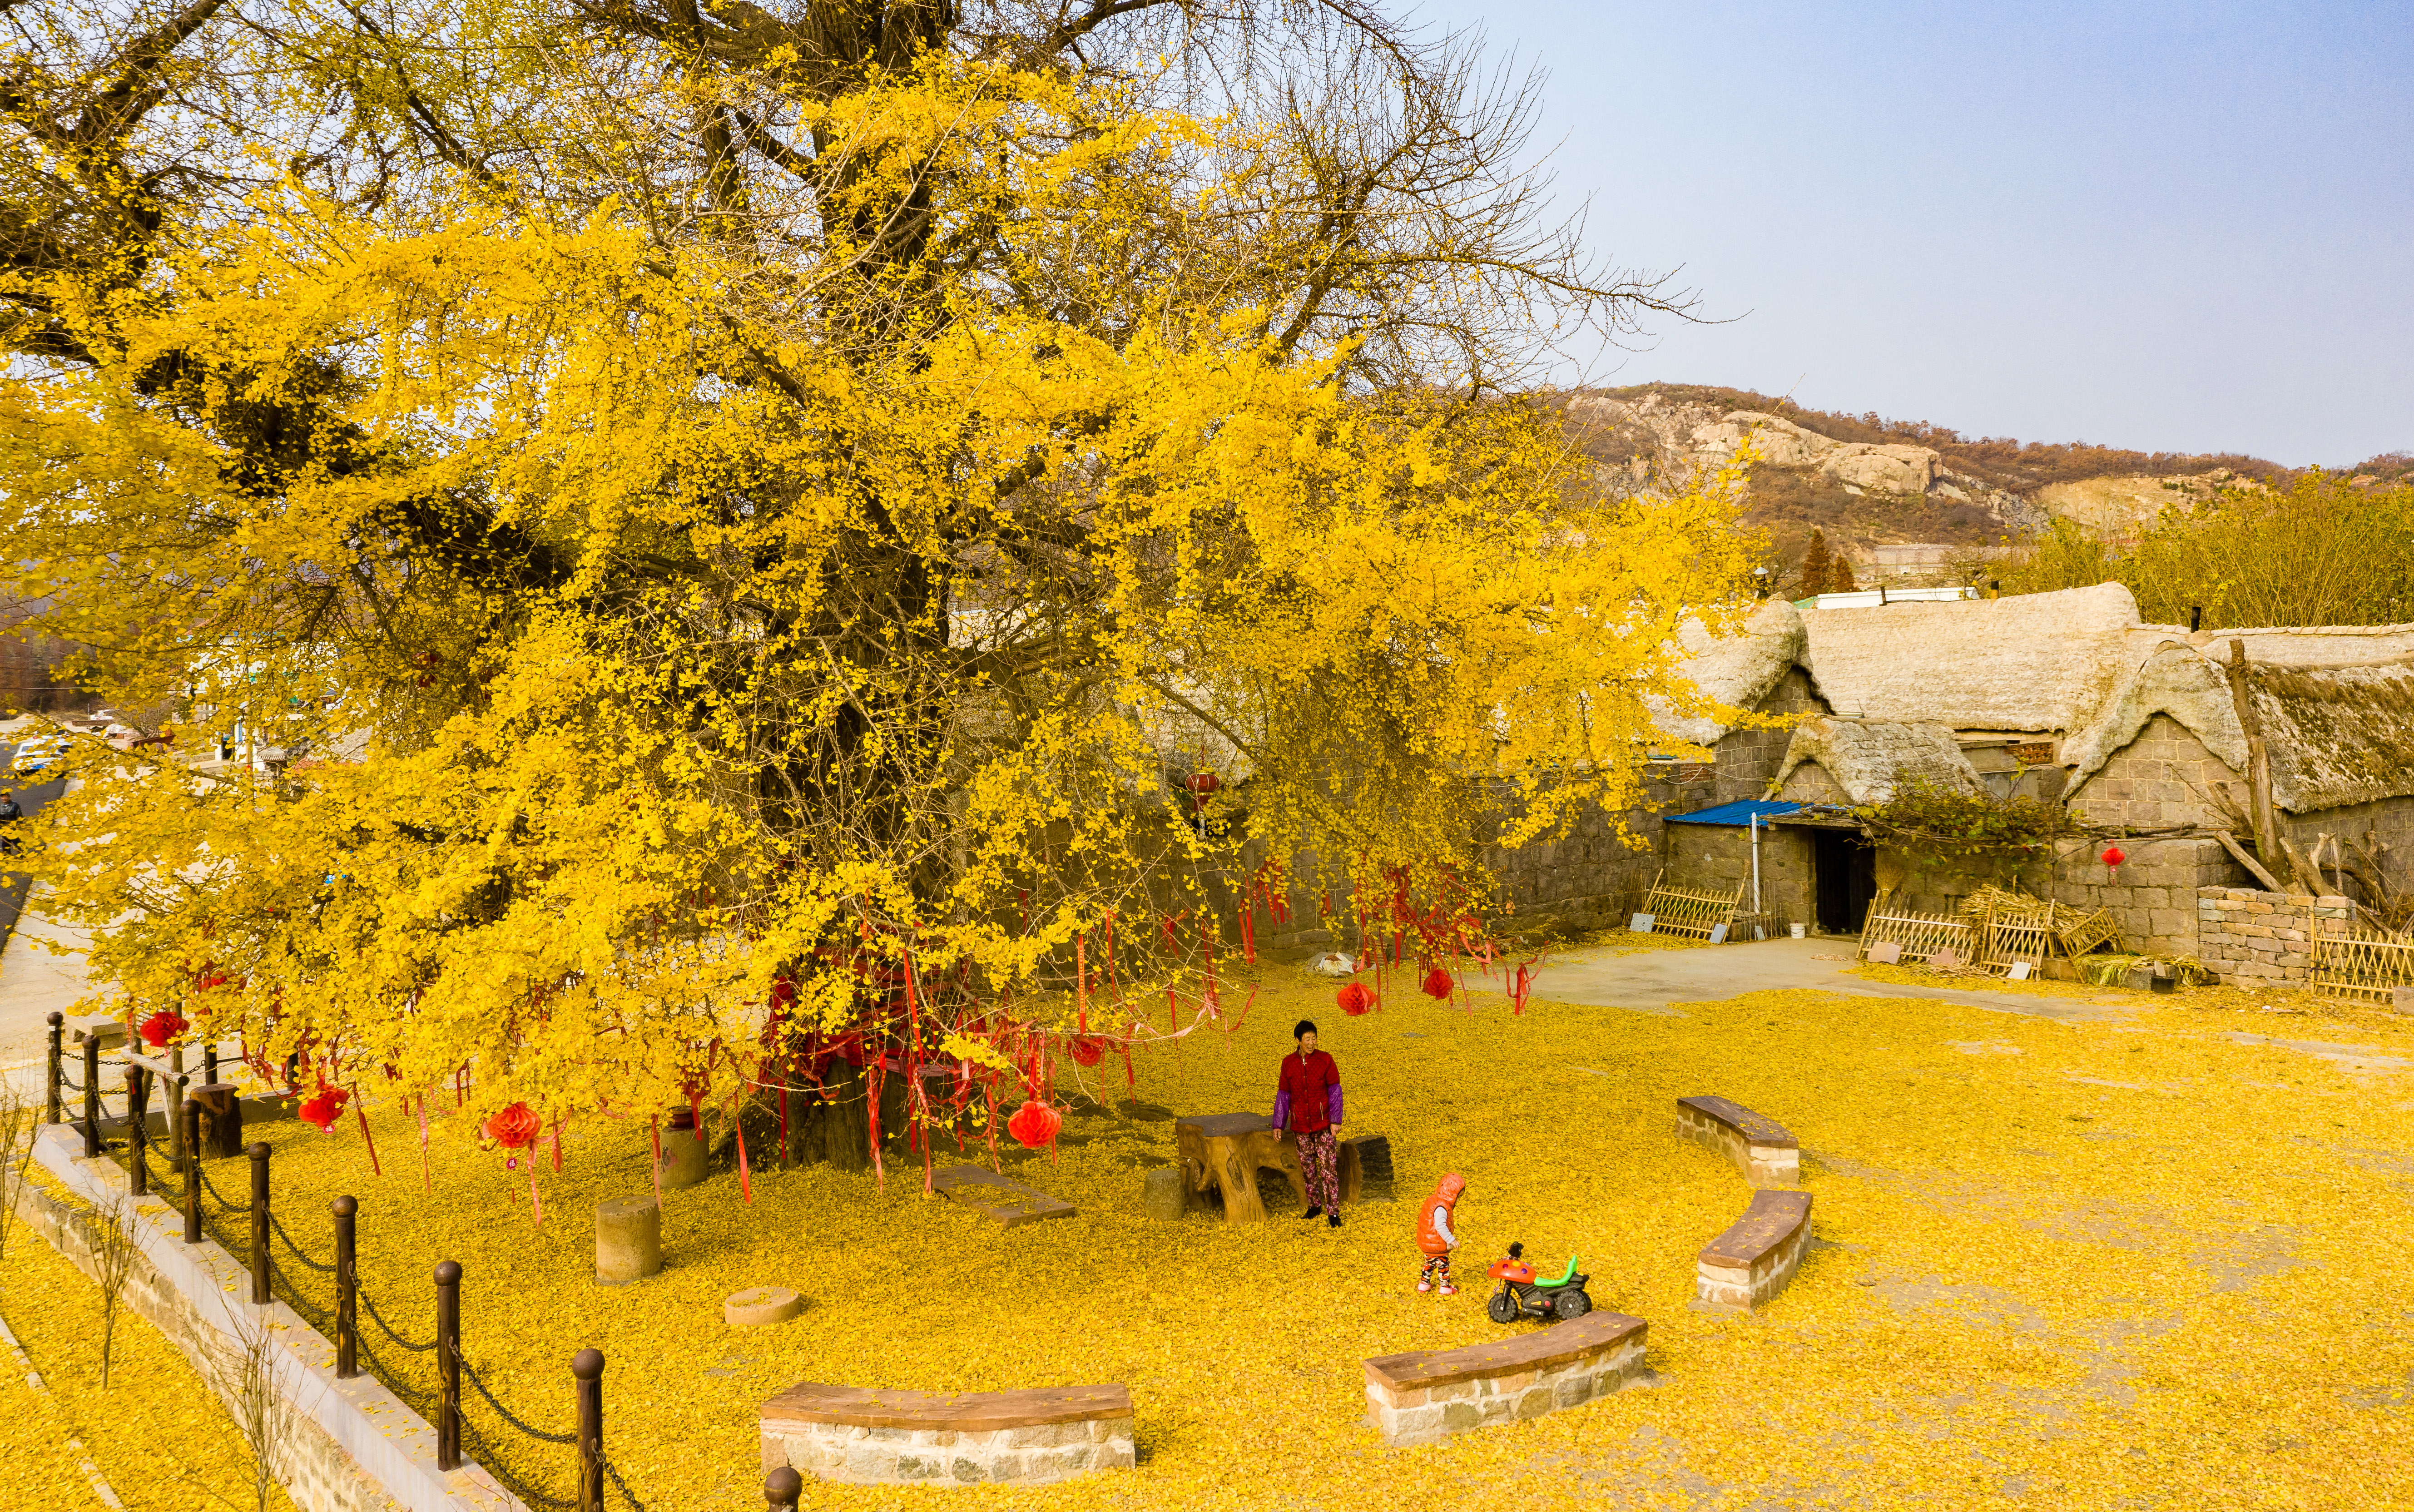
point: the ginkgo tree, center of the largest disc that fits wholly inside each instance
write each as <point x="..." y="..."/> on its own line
<point x="775" y="547"/>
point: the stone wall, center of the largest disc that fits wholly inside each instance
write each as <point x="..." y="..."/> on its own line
<point x="2155" y="780"/>
<point x="1750" y="1263"/>
<point x="1716" y="858"/>
<point x="2251" y="938"/>
<point x="2151" y="895"/>
<point x="352" y="1446"/>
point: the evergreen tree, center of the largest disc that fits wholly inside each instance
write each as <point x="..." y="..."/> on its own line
<point x="1815" y="566"/>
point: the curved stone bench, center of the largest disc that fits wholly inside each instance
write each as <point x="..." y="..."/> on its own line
<point x="1426" y="1395"/>
<point x="871" y="1437"/>
<point x="1752" y="1262"/>
<point x="1760" y="1147"/>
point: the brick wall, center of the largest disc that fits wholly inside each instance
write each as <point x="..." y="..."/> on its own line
<point x="2251" y="938"/>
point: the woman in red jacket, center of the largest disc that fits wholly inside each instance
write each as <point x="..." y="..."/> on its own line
<point x="1307" y="1102"/>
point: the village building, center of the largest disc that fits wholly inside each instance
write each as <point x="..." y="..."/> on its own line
<point x="2065" y="698"/>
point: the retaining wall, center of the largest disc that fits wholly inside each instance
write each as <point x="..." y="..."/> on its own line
<point x="2251" y="938"/>
<point x="353" y="1447"/>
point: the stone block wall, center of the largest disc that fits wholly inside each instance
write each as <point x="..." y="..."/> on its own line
<point x="1717" y="858"/>
<point x="2147" y="781"/>
<point x="1766" y="1155"/>
<point x="2251" y="938"/>
<point x="2153" y="895"/>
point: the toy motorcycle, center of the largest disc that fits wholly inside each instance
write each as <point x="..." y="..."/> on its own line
<point x="1524" y="1296"/>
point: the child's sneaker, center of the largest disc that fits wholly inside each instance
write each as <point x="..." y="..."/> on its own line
<point x="1448" y="1290"/>
<point x="1425" y="1286"/>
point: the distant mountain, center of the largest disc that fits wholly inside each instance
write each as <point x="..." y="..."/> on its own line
<point x="1904" y="502"/>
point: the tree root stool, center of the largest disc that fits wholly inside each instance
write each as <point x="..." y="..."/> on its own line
<point x="759" y="1306"/>
<point x="1162" y="1196"/>
<point x="628" y="1240"/>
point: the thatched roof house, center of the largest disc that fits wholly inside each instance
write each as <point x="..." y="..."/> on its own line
<point x="2069" y="697"/>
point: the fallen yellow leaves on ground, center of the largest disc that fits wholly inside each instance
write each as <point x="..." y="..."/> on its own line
<point x="158" y="1438"/>
<point x="2156" y="1260"/>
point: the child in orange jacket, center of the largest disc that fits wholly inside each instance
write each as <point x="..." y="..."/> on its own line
<point x="1434" y="1235"/>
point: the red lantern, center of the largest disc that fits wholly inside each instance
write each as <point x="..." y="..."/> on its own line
<point x="162" y="1027"/>
<point x="515" y="1129"/>
<point x="1034" y="1124"/>
<point x="1088" y="1048"/>
<point x="2112" y="856"/>
<point x="1354" y="999"/>
<point x="1204" y="781"/>
<point x="322" y="1112"/>
<point x="1437" y="984"/>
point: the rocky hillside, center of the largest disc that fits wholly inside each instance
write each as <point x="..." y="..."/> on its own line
<point x="1905" y="502"/>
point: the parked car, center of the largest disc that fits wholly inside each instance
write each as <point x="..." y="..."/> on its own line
<point x="38" y="752"/>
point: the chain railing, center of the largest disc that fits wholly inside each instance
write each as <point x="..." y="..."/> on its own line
<point x="189" y="1176"/>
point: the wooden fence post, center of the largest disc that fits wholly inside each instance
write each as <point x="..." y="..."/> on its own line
<point x="260" y="1289"/>
<point x="138" y="1153"/>
<point x="192" y="1125"/>
<point x="588" y="1366"/>
<point x="52" y="1112"/>
<point x="347" y="1293"/>
<point x="91" y="1095"/>
<point x="174" y="1105"/>
<point x="448" y="1364"/>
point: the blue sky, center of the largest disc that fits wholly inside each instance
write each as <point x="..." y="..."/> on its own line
<point x="2168" y="227"/>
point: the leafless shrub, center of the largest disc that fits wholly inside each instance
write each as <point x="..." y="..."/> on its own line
<point x="263" y="1419"/>
<point x="17" y="1128"/>
<point x="113" y="1252"/>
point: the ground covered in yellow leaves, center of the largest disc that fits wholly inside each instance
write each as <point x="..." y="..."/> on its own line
<point x="158" y="1440"/>
<point x="2155" y="1262"/>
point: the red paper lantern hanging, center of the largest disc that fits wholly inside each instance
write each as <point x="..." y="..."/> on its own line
<point x="322" y="1112"/>
<point x="1088" y="1048"/>
<point x="1202" y="782"/>
<point x="1034" y="1124"/>
<point x="1437" y="984"/>
<point x="515" y="1129"/>
<point x="2112" y="856"/>
<point x="1354" y="999"/>
<point x="162" y="1027"/>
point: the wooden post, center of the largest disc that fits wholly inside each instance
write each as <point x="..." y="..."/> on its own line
<point x="588" y="1366"/>
<point x="2258" y="761"/>
<point x="782" y="1488"/>
<point x="91" y="1096"/>
<point x="259" y="1288"/>
<point x="209" y="1063"/>
<point x="51" y="1111"/>
<point x="347" y="1293"/>
<point x="174" y="1105"/>
<point x="448" y="1365"/>
<point x="192" y="1125"/>
<point x="138" y="1153"/>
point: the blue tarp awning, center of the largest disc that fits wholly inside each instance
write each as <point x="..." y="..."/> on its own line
<point x="1738" y="814"/>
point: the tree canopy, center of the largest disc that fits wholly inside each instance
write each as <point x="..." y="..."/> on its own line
<point x="749" y="529"/>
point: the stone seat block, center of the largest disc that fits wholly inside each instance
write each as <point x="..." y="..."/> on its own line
<point x="1759" y="1145"/>
<point x="871" y="1436"/>
<point x="1752" y="1262"/>
<point x="1426" y="1395"/>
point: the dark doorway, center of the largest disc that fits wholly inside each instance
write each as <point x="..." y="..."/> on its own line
<point x="1844" y="868"/>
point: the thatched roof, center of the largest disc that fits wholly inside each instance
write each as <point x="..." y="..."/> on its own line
<point x="1869" y="757"/>
<point x="2340" y="731"/>
<point x="2034" y="662"/>
<point x="1737" y="670"/>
